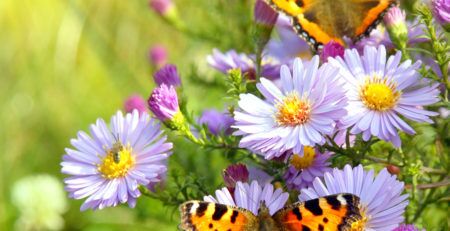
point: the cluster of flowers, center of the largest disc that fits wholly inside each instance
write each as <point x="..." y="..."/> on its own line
<point x="306" y="104"/>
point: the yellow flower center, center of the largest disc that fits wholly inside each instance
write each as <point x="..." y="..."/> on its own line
<point x="117" y="162"/>
<point x="292" y="111"/>
<point x="359" y="225"/>
<point x="302" y="162"/>
<point x="379" y="95"/>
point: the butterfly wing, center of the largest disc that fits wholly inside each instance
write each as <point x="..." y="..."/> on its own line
<point x="330" y="213"/>
<point x="320" y="21"/>
<point x="202" y="216"/>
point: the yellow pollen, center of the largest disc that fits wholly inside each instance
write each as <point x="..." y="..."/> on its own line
<point x="292" y="111"/>
<point x="379" y="95"/>
<point x="359" y="225"/>
<point x="306" y="160"/>
<point x="116" y="164"/>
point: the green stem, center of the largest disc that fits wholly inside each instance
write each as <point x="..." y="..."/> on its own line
<point x="188" y="134"/>
<point x="426" y="202"/>
<point x="444" y="71"/>
<point x="423" y="205"/>
<point x="258" y="62"/>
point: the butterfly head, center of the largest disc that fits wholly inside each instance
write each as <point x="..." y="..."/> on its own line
<point x="263" y="210"/>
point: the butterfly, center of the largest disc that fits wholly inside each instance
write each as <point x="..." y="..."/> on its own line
<point x="320" y="21"/>
<point x="329" y="213"/>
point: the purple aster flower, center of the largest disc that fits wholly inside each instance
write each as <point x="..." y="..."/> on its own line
<point x="380" y="90"/>
<point x="250" y="196"/>
<point x="287" y="45"/>
<point x="162" y="7"/>
<point x="405" y="227"/>
<point x="163" y="102"/>
<point x="382" y="205"/>
<point x="259" y="175"/>
<point x="167" y="75"/>
<point x="306" y="107"/>
<point x="444" y="112"/>
<point x="380" y="36"/>
<point x="153" y="186"/>
<point x="340" y="137"/>
<point x="158" y="55"/>
<point x="108" y="166"/>
<point x="264" y="14"/>
<point x="224" y="62"/>
<point x="441" y="11"/>
<point x="303" y="170"/>
<point x="135" y="102"/>
<point x="235" y="173"/>
<point x="331" y="49"/>
<point x="216" y="121"/>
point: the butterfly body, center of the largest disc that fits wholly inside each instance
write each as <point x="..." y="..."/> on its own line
<point x="320" y="21"/>
<point x="331" y="213"/>
<point x="266" y="222"/>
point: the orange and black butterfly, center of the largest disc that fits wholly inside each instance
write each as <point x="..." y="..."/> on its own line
<point x="320" y="21"/>
<point x="330" y="213"/>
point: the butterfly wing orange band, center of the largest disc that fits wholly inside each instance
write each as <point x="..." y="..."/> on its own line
<point x="320" y="21"/>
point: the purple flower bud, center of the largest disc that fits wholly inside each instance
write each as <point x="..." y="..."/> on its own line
<point x="331" y="49"/>
<point x="135" y="102"/>
<point x="264" y="14"/>
<point x="407" y="228"/>
<point x="235" y="173"/>
<point x="441" y="11"/>
<point x="216" y="121"/>
<point x="163" y="102"/>
<point x="162" y="7"/>
<point x="396" y="27"/>
<point x="158" y="55"/>
<point x="167" y="75"/>
<point x="394" y="16"/>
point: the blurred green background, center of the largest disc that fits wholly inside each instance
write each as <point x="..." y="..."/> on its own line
<point x="63" y="64"/>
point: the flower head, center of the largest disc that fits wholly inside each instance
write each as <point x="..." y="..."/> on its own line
<point x="444" y="112"/>
<point x="331" y="49"/>
<point x="158" y="55"/>
<point x="163" y="102"/>
<point x="250" y="196"/>
<point x="405" y="227"/>
<point x="264" y="14"/>
<point x="298" y="114"/>
<point x="259" y="175"/>
<point x="441" y="11"/>
<point x="167" y="75"/>
<point x="108" y="166"/>
<point x="287" y="45"/>
<point x="304" y="169"/>
<point x="135" y="102"/>
<point x="382" y="205"/>
<point x="162" y="7"/>
<point x="224" y="62"/>
<point x="380" y="36"/>
<point x="394" y="16"/>
<point x="235" y="173"/>
<point x="216" y="121"/>
<point x="380" y="89"/>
